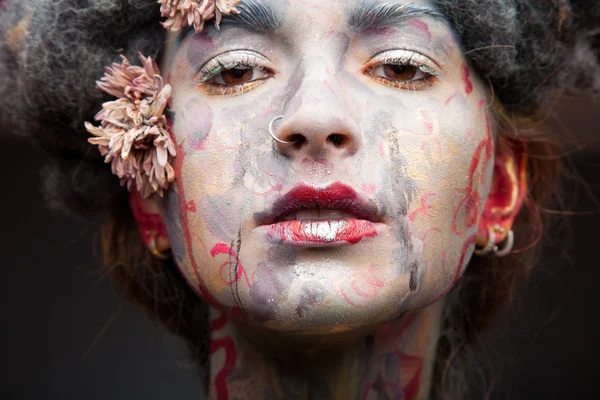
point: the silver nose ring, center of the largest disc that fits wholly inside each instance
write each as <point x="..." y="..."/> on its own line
<point x="273" y="134"/>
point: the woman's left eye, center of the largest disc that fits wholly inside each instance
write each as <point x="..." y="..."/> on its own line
<point x="402" y="69"/>
<point x="398" y="72"/>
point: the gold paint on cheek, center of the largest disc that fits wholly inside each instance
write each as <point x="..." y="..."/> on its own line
<point x="428" y="153"/>
<point x="422" y="175"/>
<point x="424" y="166"/>
<point x="211" y="172"/>
<point x="209" y="267"/>
<point x="215" y="280"/>
<point x="229" y="139"/>
<point x="452" y="146"/>
<point x="191" y="275"/>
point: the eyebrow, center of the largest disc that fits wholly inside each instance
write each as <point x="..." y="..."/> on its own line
<point x="371" y="14"/>
<point x="255" y="16"/>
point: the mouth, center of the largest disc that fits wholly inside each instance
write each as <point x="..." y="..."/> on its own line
<point x="318" y="217"/>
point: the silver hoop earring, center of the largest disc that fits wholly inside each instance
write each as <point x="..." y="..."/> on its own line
<point x="273" y="134"/>
<point x="490" y="245"/>
<point x="507" y="247"/>
<point x="491" y="248"/>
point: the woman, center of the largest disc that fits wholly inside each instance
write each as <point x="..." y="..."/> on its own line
<point x="308" y="181"/>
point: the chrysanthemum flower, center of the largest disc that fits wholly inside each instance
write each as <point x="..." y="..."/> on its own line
<point x="133" y="133"/>
<point x="182" y="13"/>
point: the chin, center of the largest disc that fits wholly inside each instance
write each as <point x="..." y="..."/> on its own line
<point x="330" y="312"/>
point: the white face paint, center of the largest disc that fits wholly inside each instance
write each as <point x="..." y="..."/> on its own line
<point x="374" y="210"/>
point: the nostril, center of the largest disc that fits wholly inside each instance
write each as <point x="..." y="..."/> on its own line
<point x="337" y="139"/>
<point x="298" y="139"/>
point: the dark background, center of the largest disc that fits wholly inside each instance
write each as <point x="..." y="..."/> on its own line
<point x="66" y="334"/>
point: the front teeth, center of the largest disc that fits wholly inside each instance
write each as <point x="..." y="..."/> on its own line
<point x="317" y="215"/>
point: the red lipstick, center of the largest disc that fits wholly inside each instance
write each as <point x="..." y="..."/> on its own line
<point x="315" y="217"/>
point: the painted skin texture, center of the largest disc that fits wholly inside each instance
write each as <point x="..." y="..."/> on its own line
<point x="414" y="142"/>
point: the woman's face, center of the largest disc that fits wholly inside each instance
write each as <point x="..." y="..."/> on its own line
<point x="373" y="210"/>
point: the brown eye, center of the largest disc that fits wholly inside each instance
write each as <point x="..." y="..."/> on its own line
<point x="234" y="73"/>
<point x="399" y="72"/>
<point x="401" y="76"/>
<point x="403" y="69"/>
<point x="237" y="76"/>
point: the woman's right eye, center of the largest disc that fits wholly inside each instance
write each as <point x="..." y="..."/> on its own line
<point x="238" y="75"/>
<point x="235" y="73"/>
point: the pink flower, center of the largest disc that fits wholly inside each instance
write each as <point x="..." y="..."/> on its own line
<point x="133" y="133"/>
<point x="182" y="13"/>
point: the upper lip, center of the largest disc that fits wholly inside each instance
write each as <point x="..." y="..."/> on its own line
<point x="336" y="196"/>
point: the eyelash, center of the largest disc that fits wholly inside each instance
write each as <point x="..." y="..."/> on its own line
<point x="227" y="62"/>
<point x="404" y="58"/>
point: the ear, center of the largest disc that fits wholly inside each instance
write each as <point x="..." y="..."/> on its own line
<point x="150" y="223"/>
<point x="509" y="188"/>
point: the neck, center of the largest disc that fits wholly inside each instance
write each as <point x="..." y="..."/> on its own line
<point x="395" y="360"/>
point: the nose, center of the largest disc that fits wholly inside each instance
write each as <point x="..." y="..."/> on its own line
<point x="321" y="127"/>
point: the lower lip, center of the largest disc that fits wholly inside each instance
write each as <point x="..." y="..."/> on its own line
<point x="321" y="233"/>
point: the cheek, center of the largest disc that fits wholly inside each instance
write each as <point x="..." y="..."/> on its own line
<point x="197" y="119"/>
<point x="203" y="223"/>
<point x="452" y="165"/>
<point x="219" y="182"/>
<point x="450" y="154"/>
<point x="183" y="238"/>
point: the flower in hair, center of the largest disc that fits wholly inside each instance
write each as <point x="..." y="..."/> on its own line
<point x="133" y="134"/>
<point x="182" y="13"/>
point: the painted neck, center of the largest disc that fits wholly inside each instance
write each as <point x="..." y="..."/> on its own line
<point x="394" y="361"/>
